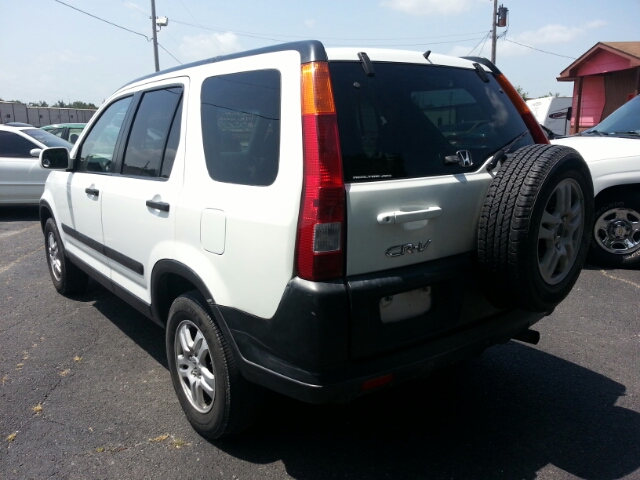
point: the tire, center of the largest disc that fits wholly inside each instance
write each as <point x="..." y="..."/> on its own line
<point x="67" y="278"/>
<point x="217" y="400"/>
<point x="534" y="228"/>
<point x="616" y="231"/>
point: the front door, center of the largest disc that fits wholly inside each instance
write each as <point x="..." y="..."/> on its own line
<point x="80" y="212"/>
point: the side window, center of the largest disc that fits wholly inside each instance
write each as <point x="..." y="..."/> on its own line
<point x="56" y="131"/>
<point x="97" y="150"/>
<point x="241" y="126"/>
<point x="13" y="145"/>
<point x="74" y="133"/>
<point x="150" y="134"/>
<point x="172" y="144"/>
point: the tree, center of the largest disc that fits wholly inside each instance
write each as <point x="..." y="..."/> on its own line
<point x="525" y="95"/>
<point x="78" y="104"/>
<point x="551" y="94"/>
<point x="41" y="103"/>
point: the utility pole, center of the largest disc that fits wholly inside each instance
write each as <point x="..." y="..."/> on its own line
<point x="155" y="36"/>
<point x="499" y="20"/>
<point x="493" y="31"/>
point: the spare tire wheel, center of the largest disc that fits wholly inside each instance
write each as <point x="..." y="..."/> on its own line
<point x="535" y="227"/>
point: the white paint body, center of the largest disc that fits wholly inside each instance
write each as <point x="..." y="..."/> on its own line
<point x="612" y="160"/>
<point x="240" y="240"/>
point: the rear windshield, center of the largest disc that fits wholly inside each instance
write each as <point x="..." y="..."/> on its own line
<point x="406" y="119"/>
<point x="47" y="138"/>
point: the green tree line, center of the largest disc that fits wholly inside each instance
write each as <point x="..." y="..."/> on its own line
<point x="58" y="104"/>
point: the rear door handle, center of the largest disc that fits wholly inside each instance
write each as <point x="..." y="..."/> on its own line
<point x="163" y="206"/>
<point x="92" y="191"/>
<point x="405" y="217"/>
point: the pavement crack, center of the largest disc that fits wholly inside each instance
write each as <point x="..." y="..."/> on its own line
<point x="620" y="279"/>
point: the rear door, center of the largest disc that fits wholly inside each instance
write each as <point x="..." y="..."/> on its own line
<point x="21" y="177"/>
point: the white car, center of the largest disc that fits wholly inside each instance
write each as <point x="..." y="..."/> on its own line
<point x="21" y="176"/>
<point x="319" y="222"/>
<point x="612" y="151"/>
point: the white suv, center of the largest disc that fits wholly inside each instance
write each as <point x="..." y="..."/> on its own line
<point x="322" y="223"/>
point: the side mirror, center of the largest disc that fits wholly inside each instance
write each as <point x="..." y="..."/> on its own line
<point x="35" y="152"/>
<point x="55" y="158"/>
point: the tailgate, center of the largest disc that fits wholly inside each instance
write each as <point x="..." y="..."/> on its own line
<point x="413" y="139"/>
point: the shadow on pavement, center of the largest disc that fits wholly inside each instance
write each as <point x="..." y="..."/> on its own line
<point x="507" y="414"/>
<point x="19" y="213"/>
<point x="144" y="332"/>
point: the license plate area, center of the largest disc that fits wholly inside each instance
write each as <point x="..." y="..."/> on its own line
<point x="402" y="306"/>
<point x="426" y="302"/>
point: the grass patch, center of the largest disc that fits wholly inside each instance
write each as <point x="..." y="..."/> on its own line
<point x="177" y="443"/>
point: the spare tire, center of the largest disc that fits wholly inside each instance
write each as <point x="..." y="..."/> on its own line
<point x="535" y="228"/>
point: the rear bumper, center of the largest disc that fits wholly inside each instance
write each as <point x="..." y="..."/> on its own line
<point x="345" y="383"/>
<point x="326" y="338"/>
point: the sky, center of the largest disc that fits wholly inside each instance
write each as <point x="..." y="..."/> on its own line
<point x="51" y="52"/>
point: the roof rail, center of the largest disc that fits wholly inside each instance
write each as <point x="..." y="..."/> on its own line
<point x="310" y="51"/>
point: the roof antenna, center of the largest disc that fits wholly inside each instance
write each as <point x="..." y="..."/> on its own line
<point x="426" y="54"/>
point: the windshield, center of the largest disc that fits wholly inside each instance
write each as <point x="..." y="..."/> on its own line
<point x="625" y="119"/>
<point x="47" y="138"/>
<point x="407" y="120"/>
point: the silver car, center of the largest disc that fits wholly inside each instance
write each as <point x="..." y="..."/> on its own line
<point x="21" y="176"/>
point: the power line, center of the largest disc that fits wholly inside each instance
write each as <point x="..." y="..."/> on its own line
<point x="426" y="44"/>
<point x="119" y="26"/>
<point x="169" y="54"/>
<point x="485" y="42"/>
<point x="134" y="6"/>
<point x="537" y="49"/>
<point x="103" y="20"/>
<point x="189" y="12"/>
<point x="262" y="35"/>
<point x="483" y="38"/>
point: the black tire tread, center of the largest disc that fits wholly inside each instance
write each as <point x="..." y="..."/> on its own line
<point x="505" y="222"/>
<point x="243" y="399"/>
<point x="628" y="198"/>
<point x="74" y="280"/>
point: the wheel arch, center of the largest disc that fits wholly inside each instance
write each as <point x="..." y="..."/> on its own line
<point x="169" y="280"/>
<point x="624" y="187"/>
<point x="45" y="211"/>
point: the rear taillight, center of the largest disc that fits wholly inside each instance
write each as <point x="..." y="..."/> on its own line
<point x="320" y="243"/>
<point x="530" y="121"/>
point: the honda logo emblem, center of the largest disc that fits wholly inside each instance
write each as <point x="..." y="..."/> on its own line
<point x="465" y="158"/>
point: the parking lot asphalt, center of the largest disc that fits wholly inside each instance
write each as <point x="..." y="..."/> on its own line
<point x="85" y="393"/>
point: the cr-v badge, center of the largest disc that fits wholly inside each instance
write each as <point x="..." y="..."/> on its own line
<point x="399" y="250"/>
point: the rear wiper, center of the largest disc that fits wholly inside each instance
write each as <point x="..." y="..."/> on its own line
<point x="502" y="152"/>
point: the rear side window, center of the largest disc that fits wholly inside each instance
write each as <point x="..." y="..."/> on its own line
<point x="403" y="121"/>
<point x="47" y="138"/>
<point x="13" y="145"/>
<point x="150" y="133"/>
<point x="241" y="127"/>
